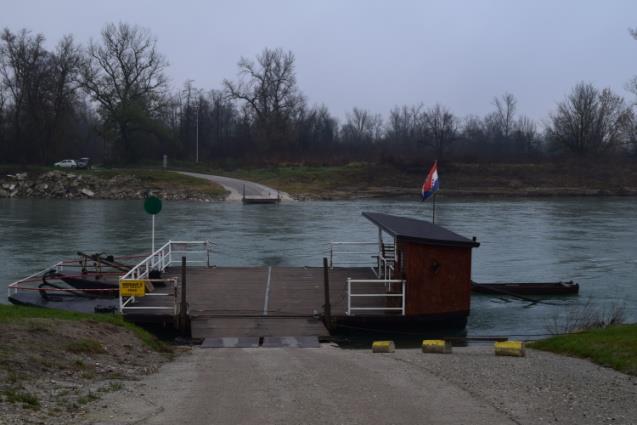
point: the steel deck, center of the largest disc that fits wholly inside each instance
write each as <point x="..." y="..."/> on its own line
<point x="263" y="301"/>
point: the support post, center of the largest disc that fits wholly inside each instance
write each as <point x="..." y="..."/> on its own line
<point x="183" y="309"/>
<point x="327" y="307"/>
<point x="153" y="237"/>
<point x="349" y="295"/>
<point x="380" y="251"/>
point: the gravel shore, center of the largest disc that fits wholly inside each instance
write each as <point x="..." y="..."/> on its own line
<point x="333" y="385"/>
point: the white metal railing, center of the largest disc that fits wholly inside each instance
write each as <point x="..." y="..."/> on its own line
<point x="363" y="254"/>
<point x="386" y="284"/>
<point x="14" y="287"/>
<point x="170" y="253"/>
<point x="167" y="255"/>
<point x="352" y="254"/>
<point x="125" y="304"/>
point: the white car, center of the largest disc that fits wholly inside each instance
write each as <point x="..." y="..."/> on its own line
<point x="66" y="163"/>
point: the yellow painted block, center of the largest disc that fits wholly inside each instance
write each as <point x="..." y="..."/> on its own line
<point x="510" y="348"/>
<point x="436" y="346"/>
<point x="383" y="347"/>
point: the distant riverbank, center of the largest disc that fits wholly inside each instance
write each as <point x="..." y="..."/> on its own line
<point x="42" y="183"/>
<point x="331" y="182"/>
<point x="366" y="180"/>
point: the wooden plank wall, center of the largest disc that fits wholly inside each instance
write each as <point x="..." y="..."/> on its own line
<point x="438" y="278"/>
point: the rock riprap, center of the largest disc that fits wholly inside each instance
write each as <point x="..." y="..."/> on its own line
<point x="65" y="185"/>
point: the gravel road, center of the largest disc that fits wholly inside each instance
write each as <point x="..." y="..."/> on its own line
<point x="235" y="187"/>
<point x="330" y="385"/>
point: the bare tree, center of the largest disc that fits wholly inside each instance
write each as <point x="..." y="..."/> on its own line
<point x="504" y="114"/>
<point x="125" y="74"/>
<point x="270" y="95"/>
<point x="317" y="129"/>
<point x="64" y="68"/>
<point x="362" y="126"/>
<point x="42" y="93"/>
<point x="590" y="121"/>
<point x="406" y="125"/>
<point x="22" y="59"/>
<point x="632" y="84"/>
<point x="442" y="129"/>
<point x="525" y="134"/>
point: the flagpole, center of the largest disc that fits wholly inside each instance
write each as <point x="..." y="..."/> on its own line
<point x="433" y="213"/>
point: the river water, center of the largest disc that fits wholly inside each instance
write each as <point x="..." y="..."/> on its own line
<point x="590" y="240"/>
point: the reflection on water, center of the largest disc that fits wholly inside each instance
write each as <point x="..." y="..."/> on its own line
<point x="589" y="240"/>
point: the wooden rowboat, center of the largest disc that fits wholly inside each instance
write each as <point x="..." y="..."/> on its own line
<point x="527" y="288"/>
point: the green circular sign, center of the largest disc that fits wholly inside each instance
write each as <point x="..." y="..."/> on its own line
<point x="152" y="205"/>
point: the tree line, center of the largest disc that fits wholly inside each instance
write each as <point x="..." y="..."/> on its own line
<point x="111" y="100"/>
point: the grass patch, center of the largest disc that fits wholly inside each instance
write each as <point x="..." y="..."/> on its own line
<point x="614" y="346"/>
<point x="325" y="180"/>
<point x="12" y="313"/>
<point x="85" y="346"/>
<point x="461" y="178"/>
<point x="161" y="179"/>
<point x="27" y="399"/>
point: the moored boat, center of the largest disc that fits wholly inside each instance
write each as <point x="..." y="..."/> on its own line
<point x="527" y="288"/>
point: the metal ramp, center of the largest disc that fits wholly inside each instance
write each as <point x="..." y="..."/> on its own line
<point x="256" y="327"/>
<point x="230" y="342"/>
<point x="265" y="342"/>
<point x="291" y="342"/>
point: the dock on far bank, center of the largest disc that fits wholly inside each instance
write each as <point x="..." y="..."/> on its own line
<point x="243" y="190"/>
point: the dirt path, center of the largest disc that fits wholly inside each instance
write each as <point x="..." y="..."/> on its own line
<point x="235" y="187"/>
<point x="330" y="385"/>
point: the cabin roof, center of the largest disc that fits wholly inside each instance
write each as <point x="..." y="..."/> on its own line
<point x="418" y="231"/>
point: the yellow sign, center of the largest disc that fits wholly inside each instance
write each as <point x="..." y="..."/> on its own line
<point x="132" y="288"/>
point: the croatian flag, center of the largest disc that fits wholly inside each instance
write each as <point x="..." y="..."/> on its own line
<point x="431" y="184"/>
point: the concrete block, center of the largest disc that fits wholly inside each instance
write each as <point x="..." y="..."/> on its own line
<point x="383" y="347"/>
<point x="436" y="346"/>
<point x="510" y="348"/>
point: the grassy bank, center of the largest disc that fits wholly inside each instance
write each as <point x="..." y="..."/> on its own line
<point x="381" y="180"/>
<point x="54" y="363"/>
<point x="614" y="346"/>
<point x="162" y="180"/>
<point x="11" y="314"/>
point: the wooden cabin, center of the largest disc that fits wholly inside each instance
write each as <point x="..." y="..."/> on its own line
<point x="435" y="264"/>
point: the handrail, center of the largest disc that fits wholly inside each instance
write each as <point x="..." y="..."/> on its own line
<point x="381" y="263"/>
<point x="386" y="294"/>
<point x="160" y="260"/>
<point x="333" y="251"/>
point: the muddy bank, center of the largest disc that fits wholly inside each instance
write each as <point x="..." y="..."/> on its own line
<point x="72" y="185"/>
<point x="414" y="193"/>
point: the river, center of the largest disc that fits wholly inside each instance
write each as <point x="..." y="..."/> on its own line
<point x="590" y="240"/>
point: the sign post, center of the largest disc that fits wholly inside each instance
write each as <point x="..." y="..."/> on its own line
<point x="152" y="205"/>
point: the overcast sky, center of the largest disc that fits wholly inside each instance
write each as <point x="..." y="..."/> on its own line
<point x="377" y="54"/>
